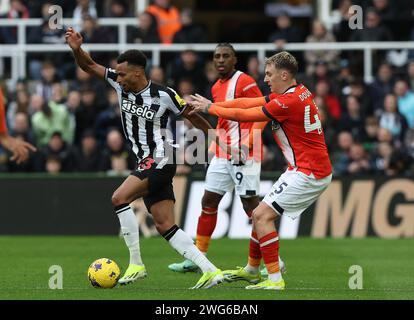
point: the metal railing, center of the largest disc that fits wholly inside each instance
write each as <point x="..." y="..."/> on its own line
<point x="18" y="52"/>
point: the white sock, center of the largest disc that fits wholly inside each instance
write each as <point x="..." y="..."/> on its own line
<point x="183" y="244"/>
<point x="250" y="269"/>
<point x="130" y="232"/>
<point x="275" y="276"/>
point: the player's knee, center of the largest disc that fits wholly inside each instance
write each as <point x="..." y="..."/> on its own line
<point x="117" y="199"/>
<point x="209" y="201"/>
<point x="249" y="204"/>
<point x="163" y="227"/>
<point x="260" y="216"/>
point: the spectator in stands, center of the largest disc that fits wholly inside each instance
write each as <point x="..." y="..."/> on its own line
<point x="146" y="31"/>
<point x="327" y="123"/>
<point x="341" y="29"/>
<point x="320" y="35"/>
<point x="320" y="73"/>
<point x="405" y="101"/>
<point x="19" y="105"/>
<point x="190" y="32"/>
<point x="119" y="167"/>
<point x="48" y="118"/>
<point x="211" y="75"/>
<point x="157" y="75"/>
<point x="411" y="52"/>
<point x="340" y="155"/>
<point x="351" y="120"/>
<point x="358" y="89"/>
<point x="255" y="71"/>
<point x="382" y="85"/>
<point x="381" y="157"/>
<point x="373" y="29"/>
<point x="83" y="9"/>
<point x="73" y="101"/>
<point x="343" y="78"/>
<point x="21" y="127"/>
<point x="190" y="66"/>
<point x="185" y="87"/>
<point x="49" y="76"/>
<point x="59" y="148"/>
<point x="410" y="75"/>
<point x="53" y="164"/>
<point x="392" y="120"/>
<point x="84" y="80"/>
<point x="387" y="11"/>
<point x="87" y="112"/>
<point x="286" y="32"/>
<point x="116" y="147"/>
<point x="333" y="106"/>
<point x="168" y="19"/>
<point x="17" y="10"/>
<point x="43" y="34"/>
<point x="58" y="93"/>
<point x="369" y="139"/>
<point x="384" y="135"/>
<point x="409" y="144"/>
<point x="359" y="161"/>
<point x="117" y="9"/>
<point x="108" y="119"/>
<point x="399" y="164"/>
<point x="93" y="33"/>
<point x="88" y="155"/>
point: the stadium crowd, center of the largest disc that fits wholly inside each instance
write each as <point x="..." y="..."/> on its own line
<point x="74" y="121"/>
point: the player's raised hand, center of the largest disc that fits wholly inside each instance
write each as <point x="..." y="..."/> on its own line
<point x="73" y="38"/>
<point x="199" y="103"/>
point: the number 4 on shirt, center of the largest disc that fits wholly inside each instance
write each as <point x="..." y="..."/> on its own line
<point x="307" y="121"/>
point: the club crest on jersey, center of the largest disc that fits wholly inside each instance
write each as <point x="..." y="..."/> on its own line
<point x="275" y="125"/>
<point x="143" y="111"/>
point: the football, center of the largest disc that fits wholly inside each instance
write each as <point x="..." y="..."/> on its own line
<point x="104" y="273"/>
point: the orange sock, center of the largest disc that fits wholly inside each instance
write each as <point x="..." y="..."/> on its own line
<point x="269" y="246"/>
<point x="255" y="255"/>
<point x="205" y="228"/>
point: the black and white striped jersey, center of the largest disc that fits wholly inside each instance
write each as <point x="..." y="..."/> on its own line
<point x="144" y="116"/>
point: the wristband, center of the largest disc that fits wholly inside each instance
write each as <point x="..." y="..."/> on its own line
<point x="208" y="107"/>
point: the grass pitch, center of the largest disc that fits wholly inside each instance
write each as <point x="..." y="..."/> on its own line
<point x="316" y="269"/>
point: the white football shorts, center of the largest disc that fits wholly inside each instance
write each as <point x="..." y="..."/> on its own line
<point x="222" y="176"/>
<point x="294" y="192"/>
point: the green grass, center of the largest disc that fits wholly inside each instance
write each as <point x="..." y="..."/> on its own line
<point x="317" y="269"/>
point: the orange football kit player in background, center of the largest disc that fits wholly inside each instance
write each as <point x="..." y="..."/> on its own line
<point x="241" y="169"/>
<point x="298" y="132"/>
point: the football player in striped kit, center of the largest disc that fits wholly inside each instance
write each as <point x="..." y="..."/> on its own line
<point x="145" y="107"/>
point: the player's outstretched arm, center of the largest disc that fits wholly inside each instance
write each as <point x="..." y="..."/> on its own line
<point x="242" y="115"/>
<point x="19" y="148"/>
<point x="83" y="59"/>
<point x="201" y="104"/>
<point x="201" y="123"/>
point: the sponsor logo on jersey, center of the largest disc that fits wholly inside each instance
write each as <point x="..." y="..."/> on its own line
<point x="143" y="111"/>
<point x="280" y="104"/>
